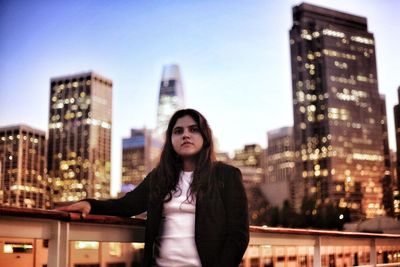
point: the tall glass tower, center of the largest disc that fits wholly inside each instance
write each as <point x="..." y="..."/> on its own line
<point x="337" y="110"/>
<point x="171" y="97"/>
<point x="79" y="145"/>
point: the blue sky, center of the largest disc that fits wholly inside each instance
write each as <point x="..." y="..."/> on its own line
<point x="234" y="59"/>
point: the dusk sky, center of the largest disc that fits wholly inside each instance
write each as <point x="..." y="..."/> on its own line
<point x="233" y="55"/>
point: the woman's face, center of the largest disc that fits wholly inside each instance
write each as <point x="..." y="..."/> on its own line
<point x="186" y="138"/>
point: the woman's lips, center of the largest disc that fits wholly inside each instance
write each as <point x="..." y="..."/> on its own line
<point x="187" y="143"/>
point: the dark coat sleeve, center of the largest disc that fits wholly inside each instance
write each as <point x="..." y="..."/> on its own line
<point x="237" y="234"/>
<point x="133" y="203"/>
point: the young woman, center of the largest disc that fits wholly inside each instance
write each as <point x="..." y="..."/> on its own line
<point x="196" y="207"/>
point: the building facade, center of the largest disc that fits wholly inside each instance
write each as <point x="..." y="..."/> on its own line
<point x="170" y="98"/>
<point x="279" y="173"/>
<point x="251" y="161"/>
<point x="140" y="154"/>
<point x="396" y="194"/>
<point x="387" y="180"/>
<point x="79" y="145"/>
<point x="337" y="110"/>
<point x="397" y="129"/>
<point x="23" y="177"/>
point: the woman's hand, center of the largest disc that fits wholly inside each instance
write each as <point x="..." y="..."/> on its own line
<point x="81" y="206"/>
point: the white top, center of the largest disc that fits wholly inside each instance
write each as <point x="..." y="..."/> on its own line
<point x="177" y="246"/>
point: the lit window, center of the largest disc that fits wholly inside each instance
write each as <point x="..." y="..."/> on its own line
<point x="333" y="33"/>
<point x="362" y="40"/>
<point x="86" y="245"/>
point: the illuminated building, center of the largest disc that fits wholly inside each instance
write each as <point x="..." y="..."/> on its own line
<point x="337" y="110"/>
<point x="397" y="157"/>
<point x="224" y="157"/>
<point x="140" y="154"/>
<point x="79" y="145"/>
<point x="23" y="167"/>
<point x="279" y="177"/>
<point x="170" y="99"/>
<point x="387" y="177"/>
<point x="397" y="129"/>
<point x="250" y="160"/>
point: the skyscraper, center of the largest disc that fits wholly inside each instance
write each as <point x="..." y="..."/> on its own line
<point x="171" y="97"/>
<point x="79" y="145"/>
<point x="396" y="202"/>
<point x="279" y="178"/>
<point x="337" y="110"/>
<point x="140" y="153"/>
<point x="397" y="130"/>
<point x="23" y="167"/>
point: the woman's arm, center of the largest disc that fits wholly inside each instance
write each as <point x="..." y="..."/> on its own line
<point x="133" y="203"/>
<point x="237" y="237"/>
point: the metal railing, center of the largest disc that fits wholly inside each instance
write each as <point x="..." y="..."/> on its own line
<point x="298" y="247"/>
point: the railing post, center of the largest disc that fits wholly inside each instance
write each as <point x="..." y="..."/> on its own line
<point x="372" y="253"/>
<point x="317" y="252"/>
<point x="59" y="245"/>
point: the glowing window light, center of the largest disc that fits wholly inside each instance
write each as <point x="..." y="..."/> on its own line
<point x="86" y="245"/>
<point x="17" y="248"/>
<point x="329" y="32"/>
<point x="56" y="125"/>
<point x="8" y="248"/>
<point x="137" y="245"/>
<point x="115" y="249"/>
<point x="368" y="157"/>
<point x="306" y="36"/>
<point x="362" y="40"/>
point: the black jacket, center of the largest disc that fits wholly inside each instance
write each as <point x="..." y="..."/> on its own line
<point x="222" y="226"/>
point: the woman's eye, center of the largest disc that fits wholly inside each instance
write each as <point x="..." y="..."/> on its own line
<point x="178" y="131"/>
<point x="194" y="129"/>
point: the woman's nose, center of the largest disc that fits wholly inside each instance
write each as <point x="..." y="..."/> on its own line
<point x="186" y="133"/>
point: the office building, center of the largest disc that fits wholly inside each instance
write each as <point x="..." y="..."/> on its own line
<point x="170" y="98"/>
<point x="250" y="160"/>
<point x="140" y="154"/>
<point x="79" y="145"/>
<point x="396" y="193"/>
<point x="387" y="179"/>
<point x="337" y="110"/>
<point x="23" y="167"/>
<point x="397" y="130"/>
<point x="279" y="173"/>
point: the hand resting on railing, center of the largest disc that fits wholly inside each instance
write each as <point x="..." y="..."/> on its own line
<point x="81" y="206"/>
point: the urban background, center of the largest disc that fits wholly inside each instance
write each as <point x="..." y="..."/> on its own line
<point x="299" y="108"/>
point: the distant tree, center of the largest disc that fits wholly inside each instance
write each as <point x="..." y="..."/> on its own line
<point x="308" y="212"/>
<point x="288" y="217"/>
<point x="326" y="215"/>
<point x="312" y="215"/>
<point x="274" y="218"/>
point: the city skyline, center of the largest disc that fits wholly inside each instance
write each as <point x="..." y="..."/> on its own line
<point x="234" y="59"/>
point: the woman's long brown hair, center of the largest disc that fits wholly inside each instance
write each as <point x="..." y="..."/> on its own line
<point x="170" y="165"/>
